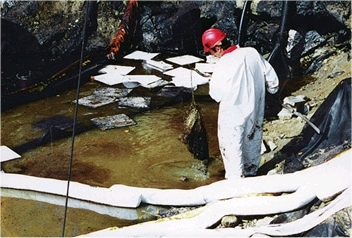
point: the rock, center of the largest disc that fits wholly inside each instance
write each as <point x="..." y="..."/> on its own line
<point x="295" y="100"/>
<point x="284" y="114"/>
<point x="295" y="45"/>
<point x="298" y="103"/>
<point x="264" y="221"/>
<point x="312" y="40"/>
<point x="229" y="221"/>
<point x="263" y="148"/>
<point x="278" y="169"/>
<point x="174" y="27"/>
<point x="272" y="145"/>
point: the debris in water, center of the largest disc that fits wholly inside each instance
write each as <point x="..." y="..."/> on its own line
<point x="110" y="122"/>
<point x="184" y="59"/>
<point x="158" y="65"/>
<point x="194" y="134"/>
<point x="172" y="91"/>
<point x="157" y="83"/>
<point x="7" y="154"/>
<point x="116" y="69"/>
<point x="131" y="85"/>
<point x="112" y="92"/>
<point x="140" y="55"/>
<point x="103" y="96"/>
<point x="95" y="101"/>
<point x="60" y="122"/>
<point x="135" y="102"/>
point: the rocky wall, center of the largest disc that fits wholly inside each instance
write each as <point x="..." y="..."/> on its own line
<point x="44" y="31"/>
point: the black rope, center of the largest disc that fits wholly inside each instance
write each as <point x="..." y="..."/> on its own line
<point x="75" y="116"/>
<point x="240" y="29"/>
<point x="282" y="31"/>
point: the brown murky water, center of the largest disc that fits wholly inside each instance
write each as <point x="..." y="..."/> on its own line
<point x="148" y="154"/>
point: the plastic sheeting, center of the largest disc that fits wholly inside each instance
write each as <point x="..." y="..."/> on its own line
<point x="333" y="118"/>
<point x="329" y="228"/>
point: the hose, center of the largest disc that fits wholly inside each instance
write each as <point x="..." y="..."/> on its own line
<point x="282" y="30"/>
<point x="244" y="10"/>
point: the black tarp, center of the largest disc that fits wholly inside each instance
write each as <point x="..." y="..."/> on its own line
<point x="333" y="118"/>
<point x="328" y="228"/>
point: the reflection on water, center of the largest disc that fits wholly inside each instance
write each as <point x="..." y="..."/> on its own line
<point x="148" y="154"/>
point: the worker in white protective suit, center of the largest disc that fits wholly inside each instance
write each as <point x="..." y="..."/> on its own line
<point x="238" y="84"/>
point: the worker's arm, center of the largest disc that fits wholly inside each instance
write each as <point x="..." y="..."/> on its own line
<point x="271" y="78"/>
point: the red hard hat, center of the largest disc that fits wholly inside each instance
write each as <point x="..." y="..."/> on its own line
<point x="211" y="38"/>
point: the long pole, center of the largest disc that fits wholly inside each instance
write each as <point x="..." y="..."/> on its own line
<point x="75" y="116"/>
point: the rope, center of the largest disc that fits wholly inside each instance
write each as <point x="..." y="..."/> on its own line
<point x="75" y="118"/>
<point x="244" y="9"/>
<point x="192" y="91"/>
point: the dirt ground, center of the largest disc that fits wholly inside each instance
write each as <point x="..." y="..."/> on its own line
<point x="315" y="89"/>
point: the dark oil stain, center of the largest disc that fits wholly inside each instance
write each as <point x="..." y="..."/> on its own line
<point x="57" y="167"/>
<point x="177" y="122"/>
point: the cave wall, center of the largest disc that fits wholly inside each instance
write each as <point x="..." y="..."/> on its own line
<point x="54" y="28"/>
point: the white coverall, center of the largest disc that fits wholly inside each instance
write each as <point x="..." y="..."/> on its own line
<point x="238" y="83"/>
